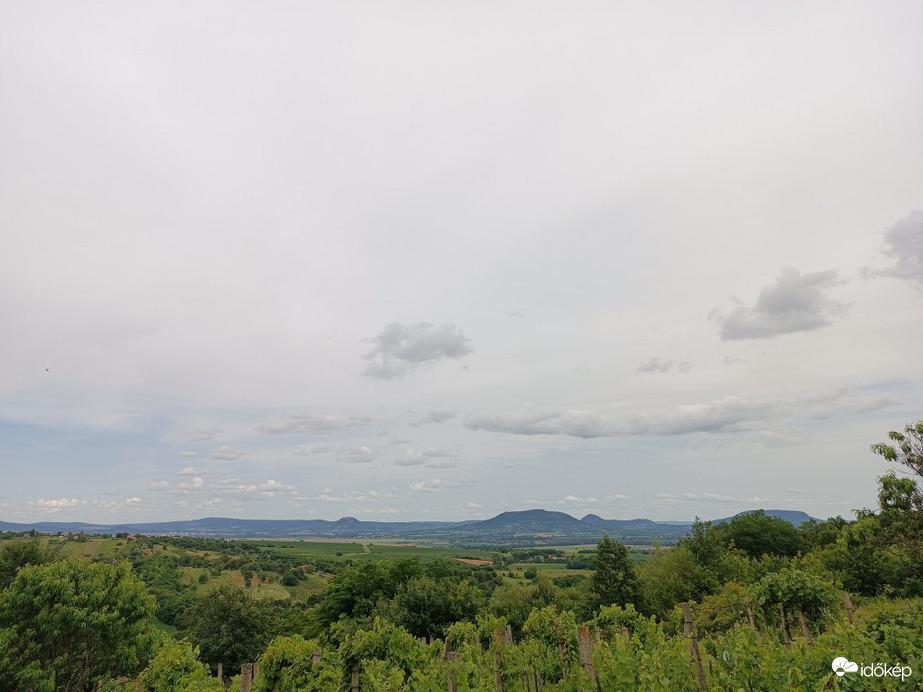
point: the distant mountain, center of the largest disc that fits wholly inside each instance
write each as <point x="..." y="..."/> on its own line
<point x="791" y="516"/>
<point x="525" y="528"/>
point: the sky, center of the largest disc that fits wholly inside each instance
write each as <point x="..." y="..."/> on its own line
<point x="436" y="261"/>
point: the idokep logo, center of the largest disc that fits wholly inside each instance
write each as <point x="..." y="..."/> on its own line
<point x="841" y="666"/>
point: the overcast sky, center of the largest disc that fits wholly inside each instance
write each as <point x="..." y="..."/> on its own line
<point x="407" y="260"/>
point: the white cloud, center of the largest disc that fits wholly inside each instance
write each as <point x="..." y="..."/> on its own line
<point x="201" y="434"/>
<point x="401" y="349"/>
<point x="226" y="453"/>
<point x="794" y="303"/>
<point x="189" y="471"/>
<point x="158" y="486"/>
<point x="431" y="458"/>
<point x="357" y="455"/>
<point x="312" y="425"/>
<point x="574" y="423"/>
<point x="186" y="453"/>
<point x="196" y="483"/>
<point x="54" y="506"/>
<point x="426" y="486"/>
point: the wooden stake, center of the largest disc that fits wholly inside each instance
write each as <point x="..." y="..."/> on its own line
<point x="847" y="603"/>
<point x="585" y="644"/>
<point x="561" y="653"/>
<point x="246" y="677"/>
<point x="805" y="630"/>
<point x="354" y="678"/>
<point x="315" y="658"/>
<point x="694" y="647"/>
<point x="451" y="656"/>
<point x="786" y="632"/>
<point x="497" y="679"/>
<point x="759" y="638"/>
<point x="626" y="635"/>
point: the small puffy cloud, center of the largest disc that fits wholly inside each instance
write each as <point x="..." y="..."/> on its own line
<point x="225" y="453"/>
<point x="685" y="367"/>
<point x="54" y="506"/>
<point x="201" y="434"/>
<point x="431" y="458"/>
<point x="585" y="424"/>
<point x="435" y="416"/>
<point x="252" y="490"/>
<point x="720" y="415"/>
<point x="357" y="455"/>
<point x="189" y="471"/>
<point x="312" y="425"/>
<point x="794" y="303"/>
<point x="197" y="483"/>
<point x="158" y="486"/>
<point x="904" y="247"/>
<point x="401" y="349"/>
<point x="186" y="453"/>
<point x="427" y="486"/>
<point x="655" y="364"/>
<point x="580" y="500"/>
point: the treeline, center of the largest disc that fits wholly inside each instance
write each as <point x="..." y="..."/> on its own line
<point x="766" y="600"/>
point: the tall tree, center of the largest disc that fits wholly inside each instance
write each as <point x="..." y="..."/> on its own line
<point x="68" y="624"/>
<point x="614" y="580"/>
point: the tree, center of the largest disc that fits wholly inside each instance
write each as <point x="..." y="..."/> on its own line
<point x="909" y="448"/>
<point x="66" y="625"/>
<point x="671" y="576"/>
<point x="229" y="627"/>
<point x="614" y="581"/>
<point x="758" y="534"/>
<point x="426" y="607"/>
<point x="16" y="555"/>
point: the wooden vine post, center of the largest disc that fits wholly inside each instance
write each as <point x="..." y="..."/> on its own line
<point x="585" y="643"/>
<point x="759" y="638"/>
<point x="498" y="680"/>
<point x="354" y="678"/>
<point x="786" y="632"/>
<point x="805" y="630"/>
<point x="689" y="632"/>
<point x="246" y="677"/>
<point x="847" y="603"/>
<point x="561" y="652"/>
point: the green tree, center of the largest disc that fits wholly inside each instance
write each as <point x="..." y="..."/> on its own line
<point x="614" y="581"/>
<point x="426" y="607"/>
<point x="176" y="668"/>
<point x="16" y="555"/>
<point x="759" y="534"/>
<point x="68" y="624"/>
<point x="229" y="627"/>
<point x="671" y="576"/>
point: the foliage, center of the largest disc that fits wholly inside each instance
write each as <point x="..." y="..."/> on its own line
<point x="671" y="576"/>
<point x="68" y="624"/>
<point x="614" y="580"/>
<point x="229" y="627"/>
<point x="175" y="668"/>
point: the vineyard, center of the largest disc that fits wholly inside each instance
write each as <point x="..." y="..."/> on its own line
<point x="617" y="650"/>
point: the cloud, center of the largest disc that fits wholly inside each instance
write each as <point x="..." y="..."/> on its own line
<point x="357" y="455"/>
<point x="250" y="490"/>
<point x="794" y="303"/>
<point x="585" y="424"/>
<point x="435" y="416"/>
<point x="685" y="367"/>
<point x="54" y="506"/>
<point x="312" y="425"/>
<point x="186" y="453"/>
<point x="655" y="364"/>
<point x="226" y="453"/>
<point x="726" y="414"/>
<point x="904" y="246"/>
<point x="189" y="471"/>
<point x="401" y="349"/>
<point x="426" y="486"/>
<point x="307" y="451"/>
<point x="158" y="486"/>
<point x="430" y="458"/>
<point x="197" y="483"/>
<point x="581" y="500"/>
<point x="201" y="434"/>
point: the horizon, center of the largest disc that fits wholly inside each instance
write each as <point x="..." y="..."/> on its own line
<point x="445" y="262"/>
